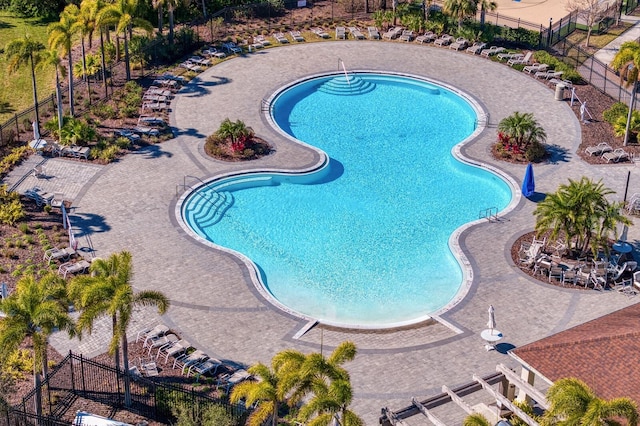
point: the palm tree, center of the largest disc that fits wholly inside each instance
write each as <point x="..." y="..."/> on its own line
<point x="172" y="5"/>
<point x="267" y="392"/>
<point x="121" y="13"/>
<point x="108" y="291"/>
<point x="476" y="419"/>
<point x="572" y="402"/>
<point x="329" y="403"/>
<point x="579" y="211"/>
<point x="52" y="58"/>
<point x="85" y="24"/>
<point x="627" y="64"/>
<point x="34" y="310"/>
<point x="460" y="9"/>
<point x="24" y="51"/>
<point x="61" y="37"/>
<point x="484" y="6"/>
<point x="522" y="129"/>
<point x="159" y="5"/>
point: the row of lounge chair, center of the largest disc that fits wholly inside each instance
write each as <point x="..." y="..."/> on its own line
<point x="190" y="361"/>
<point x="607" y="153"/>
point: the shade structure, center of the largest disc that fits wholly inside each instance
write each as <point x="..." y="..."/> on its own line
<point x="528" y="184"/>
<point x="492" y="318"/>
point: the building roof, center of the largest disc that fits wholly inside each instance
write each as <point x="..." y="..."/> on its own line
<point x="604" y="353"/>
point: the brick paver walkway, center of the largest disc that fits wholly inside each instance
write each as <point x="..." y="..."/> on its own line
<point x="130" y="205"/>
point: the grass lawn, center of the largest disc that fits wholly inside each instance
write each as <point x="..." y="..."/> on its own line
<point x="15" y="89"/>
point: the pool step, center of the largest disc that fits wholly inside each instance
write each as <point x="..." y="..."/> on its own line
<point x="341" y="86"/>
<point x="209" y="209"/>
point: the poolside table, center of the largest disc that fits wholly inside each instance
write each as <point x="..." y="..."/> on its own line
<point x="491" y="336"/>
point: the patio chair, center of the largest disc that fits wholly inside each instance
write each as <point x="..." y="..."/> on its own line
<point x="229" y="380"/>
<point x="459" y="44"/>
<point x="39" y="172"/>
<point x="393" y="33"/>
<point x="534" y="68"/>
<point x="476" y="47"/>
<point x="616" y="155"/>
<point x="205" y="366"/>
<point x="57" y="200"/>
<point x="407" y="35"/>
<point x="556" y="272"/>
<point x="185" y="361"/>
<point x="426" y="37"/>
<point x="598" y="281"/>
<point x="521" y="60"/>
<point x="599" y="149"/>
<point x="341" y="33"/>
<point x="356" y="33"/>
<point x="174" y="349"/>
<point x="39" y="195"/>
<point x="58" y="254"/>
<point x="73" y="268"/>
<point x="159" y="341"/>
<point x="443" y="40"/>
<point x="148" y="367"/>
<point x="570" y="276"/>
<point x="374" y="34"/>
<point x="626" y="287"/>
<point x="145" y="333"/>
<point x="493" y="50"/>
<point x="320" y="32"/>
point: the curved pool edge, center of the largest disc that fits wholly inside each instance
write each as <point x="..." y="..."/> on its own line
<point x="454" y="239"/>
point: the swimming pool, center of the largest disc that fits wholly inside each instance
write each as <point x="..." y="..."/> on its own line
<point x="364" y="241"/>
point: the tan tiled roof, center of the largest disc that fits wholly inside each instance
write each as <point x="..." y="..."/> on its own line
<point x="604" y="353"/>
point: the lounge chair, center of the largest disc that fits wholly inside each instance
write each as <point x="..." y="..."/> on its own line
<point x="393" y="33"/>
<point x="599" y="149"/>
<point x="57" y="200"/>
<point x="281" y="38"/>
<point x="296" y="35"/>
<point x="493" y="50"/>
<point x="58" y="254"/>
<point x="231" y="47"/>
<point x="199" y="60"/>
<point x="476" y="47"/>
<point x="320" y="32"/>
<point x="203" y="367"/>
<point x="443" y="40"/>
<point x="190" y="66"/>
<point x="39" y="195"/>
<point x="80" y="152"/>
<point x="229" y="380"/>
<point x="374" y="34"/>
<point x="459" y="44"/>
<point x="148" y="367"/>
<point x="568" y="84"/>
<point x="185" y="361"/>
<point x="174" y="349"/>
<point x="356" y="33"/>
<point x="215" y="53"/>
<point x="39" y="172"/>
<point x="341" y="33"/>
<point x="519" y="61"/>
<point x="509" y="55"/>
<point x="426" y="37"/>
<point x="626" y="287"/>
<point x="553" y="74"/>
<point x="534" y="68"/>
<point x="159" y="341"/>
<point x="407" y="35"/>
<point x="149" y="131"/>
<point x="73" y="268"/>
<point x="158" y="330"/>
<point x="616" y="155"/>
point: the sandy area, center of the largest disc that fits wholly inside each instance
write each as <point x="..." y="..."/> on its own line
<point x="535" y="11"/>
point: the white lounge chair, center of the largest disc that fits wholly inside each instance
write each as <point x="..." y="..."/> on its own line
<point x="407" y="35"/>
<point x="493" y="50"/>
<point x="599" y="149"/>
<point x="159" y="341"/>
<point x="39" y="195"/>
<point x="200" y="61"/>
<point x="443" y="40"/>
<point x="205" y="366"/>
<point x="341" y="33"/>
<point x="174" y="349"/>
<point x="296" y="35"/>
<point x="509" y="55"/>
<point x="185" y="361"/>
<point x="158" y="330"/>
<point x="426" y="37"/>
<point x="534" y="68"/>
<point x="231" y="47"/>
<point x="374" y="34"/>
<point x="39" y="171"/>
<point x="356" y="33"/>
<point x="459" y="44"/>
<point x="616" y="155"/>
<point x="58" y="254"/>
<point x="393" y="33"/>
<point x="519" y="61"/>
<point x="57" y="200"/>
<point x="73" y="268"/>
<point x="476" y="47"/>
<point x="320" y="32"/>
<point x="229" y="380"/>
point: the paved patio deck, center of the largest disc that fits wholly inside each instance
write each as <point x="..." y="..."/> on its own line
<point x="130" y="205"/>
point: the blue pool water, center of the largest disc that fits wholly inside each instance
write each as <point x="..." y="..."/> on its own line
<point x="365" y="243"/>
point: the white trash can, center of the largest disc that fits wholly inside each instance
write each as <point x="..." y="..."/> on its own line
<point x="560" y="92"/>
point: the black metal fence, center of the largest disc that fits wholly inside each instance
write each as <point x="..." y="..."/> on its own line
<point x="77" y="378"/>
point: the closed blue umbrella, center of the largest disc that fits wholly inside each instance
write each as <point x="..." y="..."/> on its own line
<point x="528" y="184"/>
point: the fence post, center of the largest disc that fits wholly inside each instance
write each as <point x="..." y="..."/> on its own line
<point x="73" y="379"/>
<point x="84" y="384"/>
<point x="17" y="128"/>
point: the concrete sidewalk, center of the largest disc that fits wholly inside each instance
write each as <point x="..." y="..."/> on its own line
<point x="607" y="53"/>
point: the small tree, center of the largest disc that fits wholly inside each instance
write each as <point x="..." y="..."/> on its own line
<point x="591" y="11"/>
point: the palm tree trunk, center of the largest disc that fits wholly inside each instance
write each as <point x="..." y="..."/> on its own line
<point x="114" y="324"/>
<point x="127" y="65"/>
<point x="170" y="25"/>
<point x="35" y="94"/>
<point x="71" y="109"/>
<point x="160" y="13"/>
<point x="59" y="102"/>
<point x="125" y="360"/>
<point x="38" y="396"/>
<point x="84" y="70"/>
<point x="104" y="64"/>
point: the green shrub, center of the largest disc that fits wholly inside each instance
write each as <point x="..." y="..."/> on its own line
<point x="104" y="111"/>
<point x="10" y="206"/>
<point x="123" y="143"/>
<point x="24" y="228"/>
<point x="202" y="415"/>
<point x="107" y="154"/>
<point x="616" y="111"/>
<point x="18" y="363"/>
<point x="535" y="152"/>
